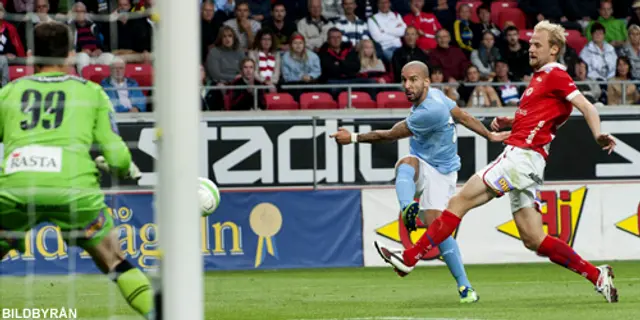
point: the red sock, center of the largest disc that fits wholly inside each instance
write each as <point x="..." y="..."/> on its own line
<point x="439" y="230"/>
<point x="560" y="253"/>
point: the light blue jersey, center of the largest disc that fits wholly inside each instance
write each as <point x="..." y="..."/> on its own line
<point x="434" y="137"/>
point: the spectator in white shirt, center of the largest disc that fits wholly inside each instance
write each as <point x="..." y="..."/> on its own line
<point x="387" y="28"/>
<point x="599" y="55"/>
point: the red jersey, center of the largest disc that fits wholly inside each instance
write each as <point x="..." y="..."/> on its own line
<point x="544" y="107"/>
<point x="428" y="23"/>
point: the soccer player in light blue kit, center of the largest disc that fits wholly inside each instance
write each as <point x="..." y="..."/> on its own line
<point x="430" y="171"/>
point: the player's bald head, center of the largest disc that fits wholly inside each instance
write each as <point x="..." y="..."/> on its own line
<point x="418" y="67"/>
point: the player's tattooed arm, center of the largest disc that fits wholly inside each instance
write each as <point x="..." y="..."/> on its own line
<point x="399" y="131"/>
<point x="476" y="126"/>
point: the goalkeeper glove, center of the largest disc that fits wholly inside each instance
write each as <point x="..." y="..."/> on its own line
<point x="134" y="172"/>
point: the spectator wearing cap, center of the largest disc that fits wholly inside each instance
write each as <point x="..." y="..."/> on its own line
<point x="516" y="53"/>
<point x="282" y="28"/>
<point x="485" y="57"/>
<point x="451" y="59"/>
<point x="631" y="50"/>
<point x="615" y="29"/>
<point x="590" y="91"/>
<point x="314" y="27"/>
<point x="123" y="92"/>
<point x="387" y="28"/>
<point x="407" y="53"/>
<point x="299" y="64"/>
<point x="244" y="27"/>
<point x="87" y="39"/>
<point x="599" y="55"/>
<point x="426" y="24"/>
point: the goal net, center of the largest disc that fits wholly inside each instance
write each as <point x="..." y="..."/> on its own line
<point x="131" y="49"/>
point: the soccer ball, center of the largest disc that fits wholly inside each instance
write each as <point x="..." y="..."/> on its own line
<point x="209" y="196"/>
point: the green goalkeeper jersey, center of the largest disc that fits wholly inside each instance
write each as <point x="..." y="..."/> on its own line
<point x="49" y="122"/>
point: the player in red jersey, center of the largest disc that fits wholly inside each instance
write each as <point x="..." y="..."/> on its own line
<point x="545" y="106"/>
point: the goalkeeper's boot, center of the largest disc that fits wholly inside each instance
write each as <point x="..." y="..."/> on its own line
<point x="394" y="258"/>
<point x="468" y="295"/>
<point x="409" y="215"/>
<point x="605" y="286"/>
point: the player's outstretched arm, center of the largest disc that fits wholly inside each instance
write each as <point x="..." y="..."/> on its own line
<point x="592" y="117"/>
<point x="105" y="133"/>
<point x="399" y="131"/>
<point x="476" y="126"/>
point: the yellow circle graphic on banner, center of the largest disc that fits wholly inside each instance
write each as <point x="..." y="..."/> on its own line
<point x="265" y="220"/>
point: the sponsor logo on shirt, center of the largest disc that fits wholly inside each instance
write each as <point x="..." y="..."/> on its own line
<point x="34" y="159"/>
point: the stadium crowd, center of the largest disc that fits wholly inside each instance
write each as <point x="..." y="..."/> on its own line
<point x="284" y="42"/>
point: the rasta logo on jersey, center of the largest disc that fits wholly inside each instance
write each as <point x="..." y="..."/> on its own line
<point x="33" y="106"/>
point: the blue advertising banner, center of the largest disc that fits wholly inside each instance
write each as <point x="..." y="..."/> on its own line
<point x="257" y="230"/>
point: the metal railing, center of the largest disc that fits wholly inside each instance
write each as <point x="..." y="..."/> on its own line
<point x="350" y="87"/>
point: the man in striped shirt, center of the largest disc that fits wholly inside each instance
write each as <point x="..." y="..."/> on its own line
<point x="353" y="28"/>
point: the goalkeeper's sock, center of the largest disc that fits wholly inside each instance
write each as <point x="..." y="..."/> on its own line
<point x="560" y="253"/>
<point x="135" y="287"/>
<point x="405" y="187"/>
<point x="451" y="254"/>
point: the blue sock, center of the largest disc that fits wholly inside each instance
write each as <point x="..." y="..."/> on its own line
<point x="451" y="255"/>
<point x="405" y="186"/>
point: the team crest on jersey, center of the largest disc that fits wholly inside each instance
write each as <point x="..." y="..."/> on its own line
<point x="529" y="92"/>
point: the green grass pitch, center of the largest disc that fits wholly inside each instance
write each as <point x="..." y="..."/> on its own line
<point x="524" y="291"/>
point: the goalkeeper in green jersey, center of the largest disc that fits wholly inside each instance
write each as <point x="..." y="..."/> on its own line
<point x="48" y="123"/>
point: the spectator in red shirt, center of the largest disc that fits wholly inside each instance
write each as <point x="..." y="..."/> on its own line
<point x="426" y="23"/>
<point x="451" y="59"/>
<point x="10" y="43"/>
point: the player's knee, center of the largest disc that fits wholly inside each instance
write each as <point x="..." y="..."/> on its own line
<point x="531" y="241"/>
<point x="412" y="161"/>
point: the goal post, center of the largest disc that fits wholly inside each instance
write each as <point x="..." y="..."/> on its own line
<point x="177" y="107"/>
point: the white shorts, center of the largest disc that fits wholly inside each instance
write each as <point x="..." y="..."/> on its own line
<point x="518" y="172"/>
<point x="433" y="187"/>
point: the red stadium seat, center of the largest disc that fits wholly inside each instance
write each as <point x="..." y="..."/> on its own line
<point x="359" y="99"/>
<point x="575" y="40"/>
<point x="498" y="6"/>
<point x="96" y="72"/>
<point x="474" y="7"/>
<point x="525" y="35"/>
<point x="280" y="101"/>
<point x="514" y="15"/>
<point x="142" y="73"/>
<point x="16" y="72"/>
<point x="317" y="100"/>
<point x="392" y="100"/>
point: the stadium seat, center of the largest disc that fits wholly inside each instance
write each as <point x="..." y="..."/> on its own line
<point x="16" y="72"/>
<point x="514" y="15"/>
<point x="142" y="73"/>
<point x="498" y="6"/>
<point x="280" y="101"/>
<point x="96" y="72"/>
<point x="474" y="7"/>
<point x="317" y="100"/>
<point x="575" y="40"/>
<point x="525" y="35"/>
<point x="359" y="99"/>
<point x="392" y="100"/>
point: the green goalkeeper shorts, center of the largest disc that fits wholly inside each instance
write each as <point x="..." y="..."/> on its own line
<point x="83" y="219"/>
